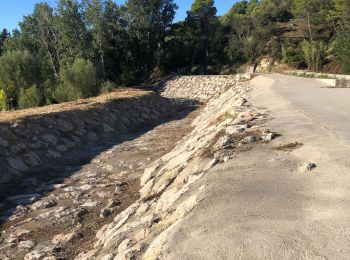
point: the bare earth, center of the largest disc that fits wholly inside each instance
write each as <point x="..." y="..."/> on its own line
<point x="121" y="93"/>
<point x="259" y="205"/>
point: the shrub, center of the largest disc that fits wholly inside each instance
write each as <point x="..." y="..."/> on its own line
<point x="79" y="79"/>
<point x="48" y="89"/>
<point x="292" y="56"/>
<point x="2" y="100"/>
<point x="314" y="54"/>
<point x="29" y="97"/>
<point x="18" y="69"/>
<point x="108" y="87"/>
<point x="65" y="93"/>
<point x="235" y="52"/>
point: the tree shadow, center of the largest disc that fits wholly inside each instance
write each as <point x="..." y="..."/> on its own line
<point x="55" y="171"/>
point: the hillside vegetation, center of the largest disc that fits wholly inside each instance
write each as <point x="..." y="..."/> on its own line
<point x="80" y="49"/>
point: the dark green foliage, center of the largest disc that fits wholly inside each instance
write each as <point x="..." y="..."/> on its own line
<point x="3" y="36"/>
<point x="314" y="54"/>
<point x="107" y="87"/>
<point x="292" y="56"/>
<point x="18" y="70"/>
<point x="29" y="97"/>
<point x="80" y="79"/>
<point x="202" y="25"/>
<point x="343" y="47"/>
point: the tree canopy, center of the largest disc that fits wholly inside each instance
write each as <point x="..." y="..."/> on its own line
<point x="70" y="50"/>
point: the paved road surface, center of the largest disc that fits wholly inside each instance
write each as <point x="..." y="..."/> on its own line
<point x="259" y="206"/>
<point x="328" y="107"/>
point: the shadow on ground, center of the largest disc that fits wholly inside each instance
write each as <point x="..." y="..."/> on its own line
<point x="55" y="171"/>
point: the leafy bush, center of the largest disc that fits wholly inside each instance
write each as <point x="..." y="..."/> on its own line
<point x="292" y="56"/>
<point x="18" y="70"/>
<point x="314" y="54"/>
<point x="2" y="100"/>
<point x="65" y="93"/>
<point x="235" y="52"/>
<point x="275" y="50"/>
<point x="29" y="97"/>
<point x="79" y="80"/>
<point x="108" y="87"/>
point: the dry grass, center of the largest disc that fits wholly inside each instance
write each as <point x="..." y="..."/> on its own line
<point x="82" y="104"/>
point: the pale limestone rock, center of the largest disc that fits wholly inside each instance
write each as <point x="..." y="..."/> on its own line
<point x="235" y="129"/>
<point x="35" y="255"/>
<point x="27" y="244"/>
<point x="146" y="189"/>
<point x="127" y="243"/>
<point x="44" y="204"/>
<point x="90" y="204"/>
<point x="108" y="257"/>
<point x="147" y="175"/>
<point x="20" y="232"/>
<point x="269" y="137"/>
<point x="85" y="187"/>
<point x="63" y="239"/>
<point x="307" y="167"/>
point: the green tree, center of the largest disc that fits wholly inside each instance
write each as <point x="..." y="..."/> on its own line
<point x="73" y="39"/>
<point x="3" y="36"/>
<point x="18" y="70"/>
<point x="39" y="35"/>
<point x="313" y="12"/>
<point x="343" y="47"/>
<point x="79" y="79"/>
<point x="203" y="23"/>
<point x="148" y="25"/>
<point x="94" y="17"/>
<point x="104" y="22"/>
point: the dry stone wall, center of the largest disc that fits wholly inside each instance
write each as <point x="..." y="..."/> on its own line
<point x="193" y="89"/>
<point x="29" y="141"/>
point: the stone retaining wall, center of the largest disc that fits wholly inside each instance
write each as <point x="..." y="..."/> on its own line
<point x="27" y="142"/>
<point x="193" y="89"/>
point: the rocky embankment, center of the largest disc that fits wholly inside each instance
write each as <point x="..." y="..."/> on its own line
<point x="31" y="138"/>
<point x="227" y="123"/>
<point x="118" y="195"/>
<point x="191" y="90"/>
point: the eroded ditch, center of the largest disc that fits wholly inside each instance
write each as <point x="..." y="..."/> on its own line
<point x="70" y="210"/>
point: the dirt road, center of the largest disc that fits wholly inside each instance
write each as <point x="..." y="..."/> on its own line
<point x="261" y="205"/>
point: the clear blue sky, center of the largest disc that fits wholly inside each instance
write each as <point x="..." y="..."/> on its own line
<point x="12" y="11"/>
